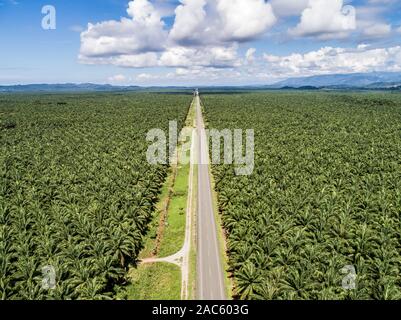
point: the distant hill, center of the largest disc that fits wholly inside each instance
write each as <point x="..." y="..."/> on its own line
<point x="66" y="87"/>
<point x="374" y="80"/>
<point x="354" y="81"/>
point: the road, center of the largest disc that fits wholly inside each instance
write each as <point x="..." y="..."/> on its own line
<point x="210" y="276"/>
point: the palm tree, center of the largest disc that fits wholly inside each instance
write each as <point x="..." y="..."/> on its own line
<point x="249" y="280"/>
<point x="122" y="245"/>
<point x="92" y="290"/>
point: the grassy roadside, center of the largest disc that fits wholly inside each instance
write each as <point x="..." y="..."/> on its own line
<point x="174" y="230"/>
<point x="151" y="238"/>
<point x="161" y="280"/>
<point x="222" y="240"/>
<point x="174" y="233"/>
<point x="193" y="256"/>
<point x="158" y="281"/>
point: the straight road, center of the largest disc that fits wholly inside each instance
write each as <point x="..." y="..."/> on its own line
<point x="210" y="276"/>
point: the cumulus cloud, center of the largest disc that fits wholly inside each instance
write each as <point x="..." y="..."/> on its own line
<point x="289" y="7"/>
<point x="205" y="74"/>
<point x="205" y="38"/>
<point x="244" y="19"/>
<point x="142" y="60"/>
<point x="145" y="77"/>
<point x="326" y="19"/>
<point x="215" y="56"/>
<point x="270" y="68"/>
<point x="200" y="75"/>
<point x="189" y="24"/>
<point x="142" y="32"/>
<point x="176" y="56"/>
<point x="204" y="33"/>
<point x="329" y="60"/>
<point x="218" y="21"/>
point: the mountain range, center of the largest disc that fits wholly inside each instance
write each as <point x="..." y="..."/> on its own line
<point x="354" y="81"/>
<point x="374" y="80"/>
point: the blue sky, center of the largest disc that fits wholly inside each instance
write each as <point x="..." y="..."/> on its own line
<point x="196" y="42"/>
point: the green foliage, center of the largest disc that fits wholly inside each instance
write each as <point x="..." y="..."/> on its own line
<point x="7" y="124"/>
<point x="325" y="193"/>
<point x="76" y="191"/>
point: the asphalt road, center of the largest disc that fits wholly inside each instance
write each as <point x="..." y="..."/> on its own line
<point x="210" y="276"/>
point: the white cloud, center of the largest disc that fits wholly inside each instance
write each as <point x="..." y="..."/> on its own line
<point x="245" y="19"/>
<point x="205" y="74"/>
<point x="326" y="19"/>
<point x="117" y="78"/>
<point x="289" y="7"/>
<point x="399" y="29"/>
<point x="377" y="30"/>
<point x="178" y="56"/>
<point x="198" y="75"/>
<point x="142" y="60"/>
<point x="206" y="36"/>
<point x="219" y="21"/>
<point x="189" y="24"/>
<point x="214" y="56"/>
<point x="270" y="68"/>
<point x="330" y="60"/>
<point x="145" y="77"/>
<point x="142" y="40"/>
<point x="142" y="32"/>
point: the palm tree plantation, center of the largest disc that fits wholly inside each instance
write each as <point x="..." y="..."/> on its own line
<point x="76" y="191"/>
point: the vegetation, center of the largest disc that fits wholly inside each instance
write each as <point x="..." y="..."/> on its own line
<point x="325" y="194"/>
<point x="76" y="191"/>
<point x="156" y="281"/>
<point x="166" y="236"/>
<point x="174" y="230"/>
